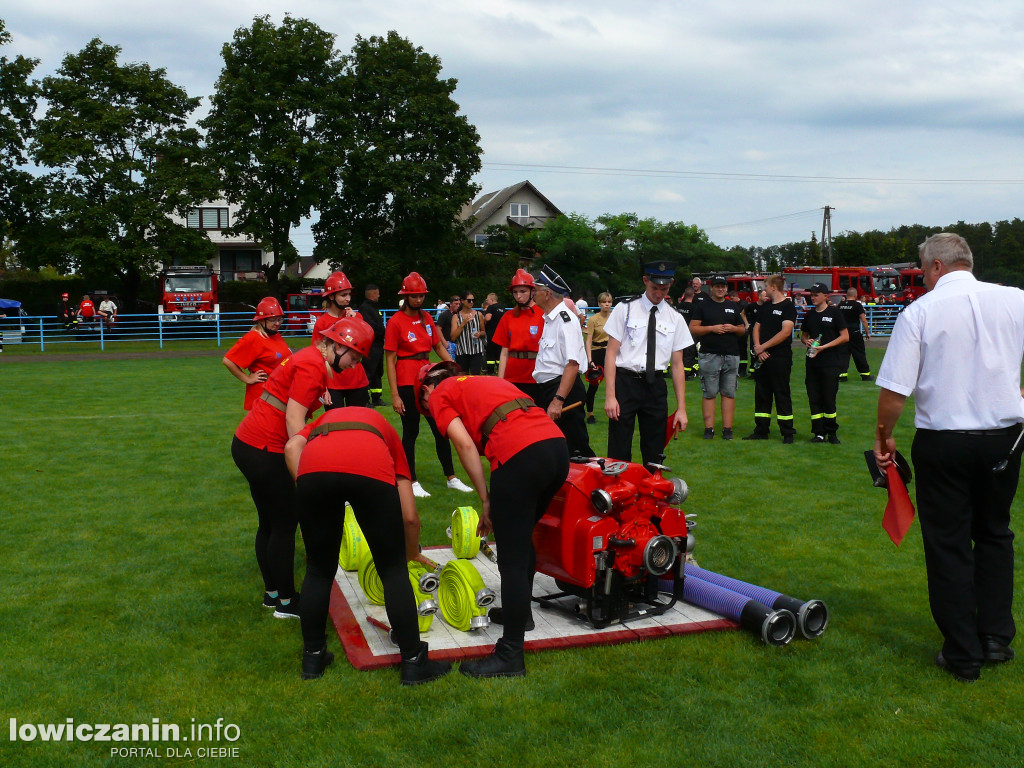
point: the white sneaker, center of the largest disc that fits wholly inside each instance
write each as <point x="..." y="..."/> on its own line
<point x="419" y="491"/>
<point x="457" y="485"/>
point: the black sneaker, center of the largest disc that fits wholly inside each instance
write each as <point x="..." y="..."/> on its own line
<point x="787" y="439"/>
<point x="818" y="439"/>
<point x="727" y="433"/>
<point x="833" y="438"/>
<point x="497" y="616"/>
<point x="289" y="611"/>
<point x="865" y="377"/>
<point x="268" y="601"/>
<point x="591" y="419"/>
<point x="756" y="436"/>
<point x="314" y="664"/>
<point x="709" y="433"/>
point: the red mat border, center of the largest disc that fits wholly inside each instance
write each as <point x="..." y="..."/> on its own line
<point x="362" y="658"/>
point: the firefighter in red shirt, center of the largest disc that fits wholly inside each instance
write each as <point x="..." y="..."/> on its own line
<point x="290" y="396"/>
<point x="350" y="387"/>
<point x="355" y="455"/>
<point x="518" y="334"/>
<point x="408" y="338"/>
<point x="529" y="461"/>
<point x="260" y="350"/>
<point x="87" y="310"/>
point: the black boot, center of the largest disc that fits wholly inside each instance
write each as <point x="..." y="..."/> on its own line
<point x="497" y="616"/>
<point x="314" y="664"/>
<point x="418" y="668"/>
<point x="505" y="661"/>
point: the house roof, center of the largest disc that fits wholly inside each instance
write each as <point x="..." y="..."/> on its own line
<point x="488" y="204"/>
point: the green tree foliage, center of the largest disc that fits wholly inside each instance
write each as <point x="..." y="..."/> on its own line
<point x="277" y="128"/>
<point x="17" y="109"/>
<point x="123" y="160"/>
<point x="408" y="167"/>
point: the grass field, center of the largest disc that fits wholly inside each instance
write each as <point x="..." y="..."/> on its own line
<point x="131" y="593"/>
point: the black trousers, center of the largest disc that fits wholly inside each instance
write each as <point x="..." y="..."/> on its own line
<point x="373" y="364"/>
<point x="411" y="430"/>
<point x="771" y="382"/>
<point x="341" y="398"/>
<point x="964" y="509"/>
<point x="320" y="500"/>
<point x="493" y="355"/>
<point x="854" y="348"/>
<point x="690" y="360"/>
<point x="521" y="490"/>
<point x="644" y="403"/>
<point x="574" y="423"/>
<point x="472" y="363"/>
<point x="273" y="493"/>
<point x="822" y="387"/>
<point x="598" y="358"/>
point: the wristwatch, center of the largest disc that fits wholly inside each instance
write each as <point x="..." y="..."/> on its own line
<point x="560" y="398"/>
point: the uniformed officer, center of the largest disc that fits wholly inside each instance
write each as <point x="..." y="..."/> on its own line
<point x="560" y="358"/>
<point x="773" y="354"/>
<point x="685" y="308"/>
<point x="823" y="331"/>
<point x="856" y="318"/>
<point x="645" y="336"/>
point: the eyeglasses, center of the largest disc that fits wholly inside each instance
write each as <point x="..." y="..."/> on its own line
<point x="469" y="299"/>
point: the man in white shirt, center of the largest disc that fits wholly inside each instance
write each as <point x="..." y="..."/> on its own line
<point x="958" y="351"/>
<point x="560" y="358"/>
<point x="637" y="359"/>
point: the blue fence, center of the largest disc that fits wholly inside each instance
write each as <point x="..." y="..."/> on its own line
<point x="223" y="328"/>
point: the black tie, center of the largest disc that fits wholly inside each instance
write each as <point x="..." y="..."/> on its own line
<point x="652" y="336"/>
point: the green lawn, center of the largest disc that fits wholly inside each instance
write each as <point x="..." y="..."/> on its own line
<point x="131" y="593"/>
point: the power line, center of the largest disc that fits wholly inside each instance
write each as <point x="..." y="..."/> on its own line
<point x="723" y="176"/>
<point x="795" y="215"/>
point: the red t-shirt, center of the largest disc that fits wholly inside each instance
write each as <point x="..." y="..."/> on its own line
<point x="473" y="399"/>
<point x="303" y="378"/>
<point x="86" y="309"/>
<point x="257" y="352"/>
<point x="409" y="335"/>
<point x="354" y="451"/>
<point x="350" y="378"/>
<point x="520" y="334"/>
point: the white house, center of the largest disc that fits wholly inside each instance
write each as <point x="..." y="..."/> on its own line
<point x="520" y="205"/>
<point x="238" y="256"/>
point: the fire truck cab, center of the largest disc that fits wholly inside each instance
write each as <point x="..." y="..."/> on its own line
<point x="188" y="292"/>
<point x="302" y="310"/>
<point x="912" y="281"/>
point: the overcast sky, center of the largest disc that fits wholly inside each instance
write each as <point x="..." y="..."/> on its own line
<point x="744" y="118"/>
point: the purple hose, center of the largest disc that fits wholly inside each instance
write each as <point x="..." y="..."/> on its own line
<point x="811" y="616"/>
<point x="775" y="627"/>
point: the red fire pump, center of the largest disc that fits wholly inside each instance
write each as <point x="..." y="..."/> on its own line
<point x="608" y="535"/>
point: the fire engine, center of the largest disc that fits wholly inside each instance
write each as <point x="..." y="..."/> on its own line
<point x="302" y="310"/>
<point x="870" y="282"/>
<point x="913" y="284"/>
<point x="746" y="284"/>
<point x="188" y="292"/>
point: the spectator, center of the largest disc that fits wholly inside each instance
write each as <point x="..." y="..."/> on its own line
<point x="597" y="345"/>
<point x="492" y="316"/>
<point x="467" y="331"/>
<point x="373" y="364"/>
<point x="719" y="325"/>
<point x="108" y="310"/>
<point x="67" y="312"/>
<point x="444" y="322"/>
<point x="86" y="309"/>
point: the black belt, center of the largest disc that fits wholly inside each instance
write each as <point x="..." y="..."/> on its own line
<point x="982" y="432"/>
<point x="522" y="355"/>
<point x="638" y="374"/>
<point x="417" y="356"/>
<point x="599" y="346"/>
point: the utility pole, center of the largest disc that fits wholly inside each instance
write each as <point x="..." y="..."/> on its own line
<point x="826" y="232"/>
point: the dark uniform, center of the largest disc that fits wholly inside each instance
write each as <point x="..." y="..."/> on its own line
<point x="685" y="309"/>
<point x="493" y="351"/>
<point x="373" y="364"/>
<point x="771" y="379"/>
<point x="852" y="310"/>
<point x="750" y="311"/>
<point x="822" y="377"/>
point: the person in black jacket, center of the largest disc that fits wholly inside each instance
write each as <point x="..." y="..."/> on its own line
<point x="374" y="362"/>
<point x="823" y="332"/>
<point x="856" y="319"/>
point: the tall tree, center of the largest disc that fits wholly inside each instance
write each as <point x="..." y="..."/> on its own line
<point x="17" y="108"/>
<point x="408" y="169"/>
<point x="278" y="99"/>
<point x="123" y="161"/>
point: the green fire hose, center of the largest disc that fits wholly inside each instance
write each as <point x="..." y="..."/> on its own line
<point x="369" y="581"/>
<point x="353" y="545"/>
<point x="463" y="596"/>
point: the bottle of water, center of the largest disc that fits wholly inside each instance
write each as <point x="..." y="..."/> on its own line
<point x="812" y="350"/>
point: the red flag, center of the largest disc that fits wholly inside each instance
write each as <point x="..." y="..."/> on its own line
<point x="670" y="428"/>
<point x="899" y="511"/>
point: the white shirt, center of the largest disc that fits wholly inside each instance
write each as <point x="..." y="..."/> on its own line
<point x="108" y="306"/>
<point x="581" y="307"/>
<point x="957" y="350"/>
<point x="627" y="324"/>
<point x="561" y="342"/>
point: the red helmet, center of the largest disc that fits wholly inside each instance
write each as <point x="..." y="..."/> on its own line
<point x="522" y="277"/>
<point x="444" y="365"/>
<point x="268" y="307"/>
<point x="352" y="332"/>
<point x="594" y="374"/>
<point x="336" y="282"/>
<point x="413" y="284"/>
<point x="64" y="296"/>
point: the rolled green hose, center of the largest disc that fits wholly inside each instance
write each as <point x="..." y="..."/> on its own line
<point x="353" y="545"/>
<point x="465" y="541"/>
<point x="463" y="596"/>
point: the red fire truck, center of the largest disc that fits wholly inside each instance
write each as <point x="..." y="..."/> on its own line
<point x="188" y="292"/>
<point x="913" y="284"/>
<point x="302" y="310"/>
<point x="746" y="284"/>
<point x="870" y="282"/>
